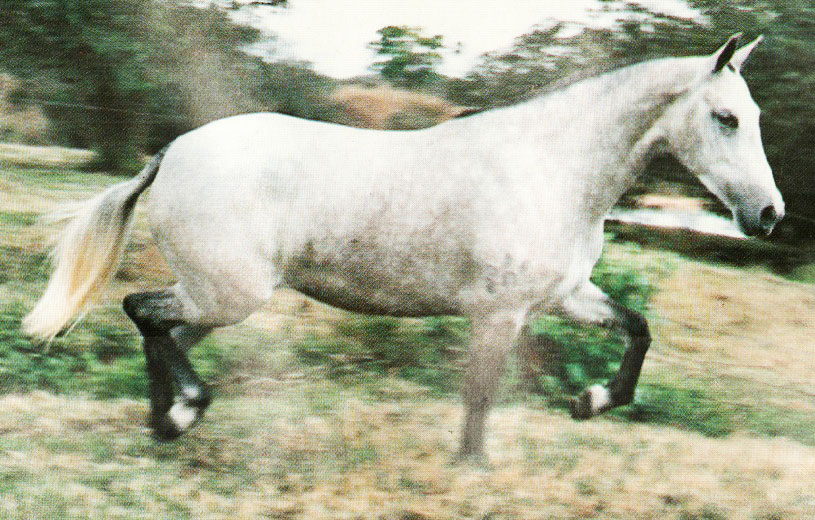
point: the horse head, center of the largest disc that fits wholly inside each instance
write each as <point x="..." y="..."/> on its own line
<point x="713" y="129"/>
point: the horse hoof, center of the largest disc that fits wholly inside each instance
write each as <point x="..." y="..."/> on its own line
<point x="164" y="429"/>
<point x="580" y="408"/>
<point x="472" y="460"/>
<point x="593" y="401"/>
<point x="178" y="419"/>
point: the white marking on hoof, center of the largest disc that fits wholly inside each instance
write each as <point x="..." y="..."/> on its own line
<point x="182" y="415"/>
<point x="600" y="398"/>
<point x="190" y="392"/>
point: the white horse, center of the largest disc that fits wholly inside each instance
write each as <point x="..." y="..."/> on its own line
<point x="495" y="216"/>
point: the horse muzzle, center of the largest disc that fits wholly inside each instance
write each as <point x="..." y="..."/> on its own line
<point x="760" y="223"/>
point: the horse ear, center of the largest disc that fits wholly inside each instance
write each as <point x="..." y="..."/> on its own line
<point x="722" y="57"/>
<point x="742" y="54"/>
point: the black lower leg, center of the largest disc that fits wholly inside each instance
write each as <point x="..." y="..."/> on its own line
<point x="634" y="324"/>
<point x="155" y="314"/>
<point x="160" y="384"/>
<point x="192" y="389"/>
<point x="185" y="336"/>
<point x="620" y="390"/>
<point x="194" y="397"/>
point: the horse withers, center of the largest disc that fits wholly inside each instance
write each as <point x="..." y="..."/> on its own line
<point x="497" y="217"/>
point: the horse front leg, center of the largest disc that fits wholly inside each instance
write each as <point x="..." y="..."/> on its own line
<point x="593" y="307"/>
<point x="493" y="336"/>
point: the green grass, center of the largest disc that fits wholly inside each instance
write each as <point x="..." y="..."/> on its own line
<point x="57" y="179"/>
<point x="21" y="266"/>
<point x="803" y="273"/>
<point x="99" y="358"/>
<point x="691" y="409"/>
<point x="21" y="219"/>
<point x="426" y="352"/>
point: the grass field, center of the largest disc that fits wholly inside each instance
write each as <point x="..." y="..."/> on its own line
<point x="723" y="427"/>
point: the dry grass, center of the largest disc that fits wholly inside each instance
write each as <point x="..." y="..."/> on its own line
<point x="314" y="451"/>
<point x="45" y="156"/>
<point x="748" y="324"/>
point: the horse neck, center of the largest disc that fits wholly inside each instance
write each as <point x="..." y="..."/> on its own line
<point x="603" y="129"/>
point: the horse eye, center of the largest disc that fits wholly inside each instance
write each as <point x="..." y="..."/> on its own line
<point x="726" y="119"/>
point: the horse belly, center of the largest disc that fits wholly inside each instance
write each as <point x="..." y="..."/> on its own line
<point x="383" y="283"/>
<point x="345" y="294"/>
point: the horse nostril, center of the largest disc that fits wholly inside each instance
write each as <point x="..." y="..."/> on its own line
<point x="768" y="217"/>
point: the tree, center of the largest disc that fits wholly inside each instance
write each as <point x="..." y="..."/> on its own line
<point x="293" y="88"/>
<point x="411" y="57"/>
<point x="101" y="66"/>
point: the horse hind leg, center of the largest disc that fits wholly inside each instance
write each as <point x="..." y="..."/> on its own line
<point x="159" y="318"/>
<point x="187" y="336"/>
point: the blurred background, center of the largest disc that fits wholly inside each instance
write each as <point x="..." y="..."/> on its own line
<point x="325" y="414"/>
<point x="123" y="78"/>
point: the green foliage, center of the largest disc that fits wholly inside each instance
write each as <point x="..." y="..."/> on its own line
<point x="591" y="354"/>
<point x="411" y="57"/>
<point x="125" y="77"/>
<point x="685" y="408"/>
<point x="293" y="88"/>
<point x="78" y="45"/>
<point x="423" y="351"/>
<point x="103" y="360"/>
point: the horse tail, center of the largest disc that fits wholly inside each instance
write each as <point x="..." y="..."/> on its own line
<point x="87" y="253"/>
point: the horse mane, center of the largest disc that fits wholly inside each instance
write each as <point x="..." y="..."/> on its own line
<point x="576" y="76"/>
